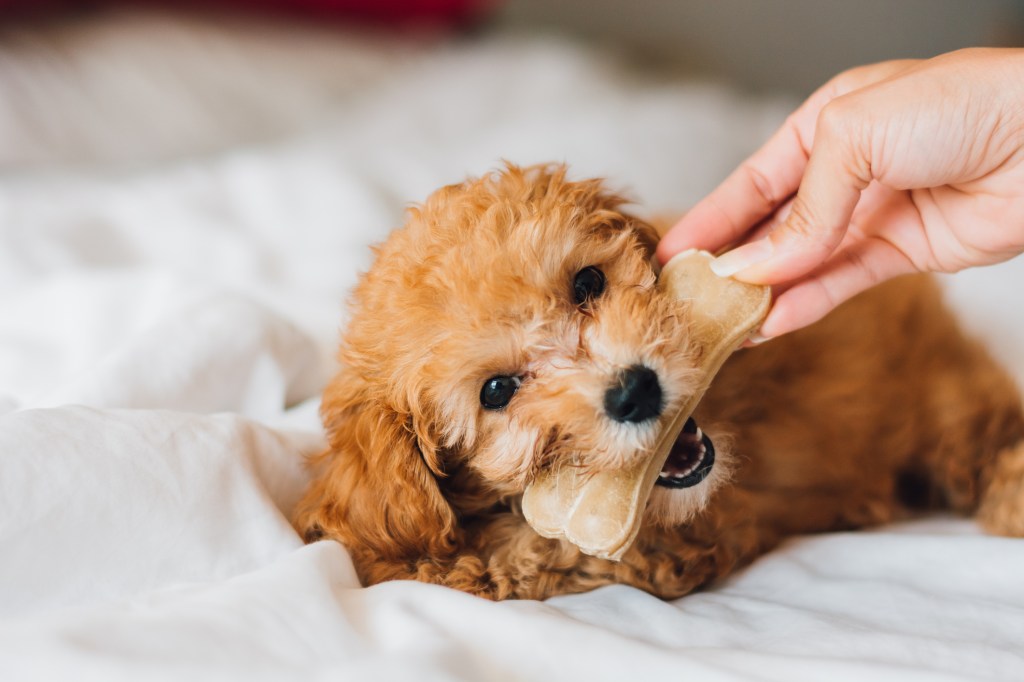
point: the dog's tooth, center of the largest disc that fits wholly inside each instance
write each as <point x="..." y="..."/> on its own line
<point x="699" y="434"/>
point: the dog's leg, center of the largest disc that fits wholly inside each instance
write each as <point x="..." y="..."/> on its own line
<point x="545" y="569"/>
<point x="512" y="562"/>
<point x="464" y="571"/>
<point x="665" y="572"/>
<point x="976" y="452"/>
<point x="961" y="417"/>
<point x="977" y="461"/>
<point x="1001" y="511"/>
<point x="666" y="562"/>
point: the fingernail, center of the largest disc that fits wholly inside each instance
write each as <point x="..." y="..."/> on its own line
<point x="757" y="338"/>
<point x="728" y="264"/>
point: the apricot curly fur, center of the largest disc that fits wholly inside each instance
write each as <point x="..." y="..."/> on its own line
<point x="882" y="408"/>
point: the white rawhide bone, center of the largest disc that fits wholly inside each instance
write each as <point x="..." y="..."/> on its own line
<point x="600" y="513"/>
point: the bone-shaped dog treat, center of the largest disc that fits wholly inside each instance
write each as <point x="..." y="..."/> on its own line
<point x="600" y="513"/>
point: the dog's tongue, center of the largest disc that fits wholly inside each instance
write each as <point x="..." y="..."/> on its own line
<point x="600" y="513"/>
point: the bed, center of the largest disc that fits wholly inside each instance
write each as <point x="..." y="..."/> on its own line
<point x="184" y="203"/>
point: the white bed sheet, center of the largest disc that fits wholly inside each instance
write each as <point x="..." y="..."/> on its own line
<point x="165" y="328"/>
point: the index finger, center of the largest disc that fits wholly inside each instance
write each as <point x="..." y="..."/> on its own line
<point x="752" y="192"/>
<point x="770" y="176"/>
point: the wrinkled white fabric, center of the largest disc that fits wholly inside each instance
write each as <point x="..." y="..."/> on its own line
<point x="166" y="327"/>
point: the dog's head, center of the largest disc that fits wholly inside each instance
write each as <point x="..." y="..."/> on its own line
<point x="511" y="324"/>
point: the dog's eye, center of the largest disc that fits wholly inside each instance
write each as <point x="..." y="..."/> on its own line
<point x="588" y="284"/>
<point x="497" y="391"/>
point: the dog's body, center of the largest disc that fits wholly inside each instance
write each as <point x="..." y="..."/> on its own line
<point x="881" y="408"/>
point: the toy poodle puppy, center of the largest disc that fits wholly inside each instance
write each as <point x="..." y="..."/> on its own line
<point x="514" y="322"/>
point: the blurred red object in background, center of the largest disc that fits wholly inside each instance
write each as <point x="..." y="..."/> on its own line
<point x="388" y="11"/>
<point x="382" y="11"/>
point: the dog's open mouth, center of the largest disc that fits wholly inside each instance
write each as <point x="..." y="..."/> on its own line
<point x="690" y="460"/>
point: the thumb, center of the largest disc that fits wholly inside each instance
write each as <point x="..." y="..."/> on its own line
<point x="837" y="172"/>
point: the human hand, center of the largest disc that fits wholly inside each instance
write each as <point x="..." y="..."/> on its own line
<point x="897" y="167"/>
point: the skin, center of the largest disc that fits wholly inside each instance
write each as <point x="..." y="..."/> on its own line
<point x="898" y="167"/>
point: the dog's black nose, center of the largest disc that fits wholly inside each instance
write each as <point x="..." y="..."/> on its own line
<point x="635" y="396"/>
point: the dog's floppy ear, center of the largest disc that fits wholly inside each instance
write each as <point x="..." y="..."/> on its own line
<point x="651" y="230"/>
<point x="647" y="234"/>
<point x="377" y="492"/>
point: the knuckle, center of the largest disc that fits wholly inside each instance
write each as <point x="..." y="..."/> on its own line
<point x="834" y="119"/>
<point x="844" y="82"/>
<point x="847" y="132"/>
<point x="845" y="125"/>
